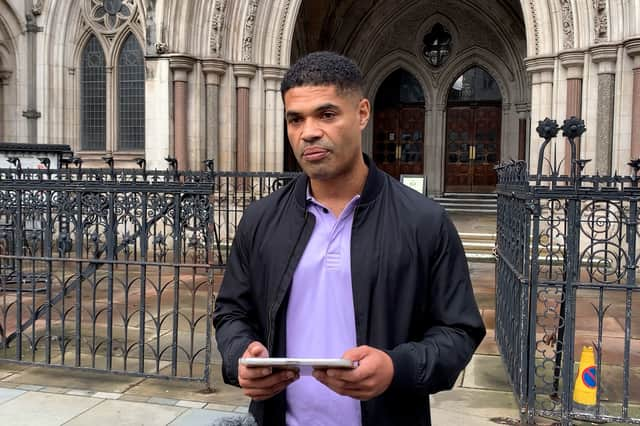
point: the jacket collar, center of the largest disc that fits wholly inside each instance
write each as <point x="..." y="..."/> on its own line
<point x="372" y="186"/>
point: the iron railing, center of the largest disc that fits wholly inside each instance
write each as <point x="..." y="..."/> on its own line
<point x="113" y="270"/>
<point x="566" y="278"/>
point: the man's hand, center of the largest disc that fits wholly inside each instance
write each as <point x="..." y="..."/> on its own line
<point x="371" y="378"/>
<point x="261" y="383"/>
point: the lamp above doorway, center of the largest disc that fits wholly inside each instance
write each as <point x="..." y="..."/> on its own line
<point x="437" y="45"/>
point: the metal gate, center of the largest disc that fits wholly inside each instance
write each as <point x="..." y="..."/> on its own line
<point x="566" y="279"/>
<point x="113" y="270"/>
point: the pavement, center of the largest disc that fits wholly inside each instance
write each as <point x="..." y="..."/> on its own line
<point x="32" y="395"/>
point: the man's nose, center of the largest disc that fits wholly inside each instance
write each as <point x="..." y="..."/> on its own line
<point x="311" y="131"/>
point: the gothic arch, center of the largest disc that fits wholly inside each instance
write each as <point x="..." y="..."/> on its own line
<point x="476" y="57"/>
<point x="397" y="60"/>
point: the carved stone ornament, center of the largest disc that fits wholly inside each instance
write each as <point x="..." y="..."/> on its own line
<point x="37" y="7"/>
<point x="600" y="20"/>
<point x="217" y="25"/>
<point x="109" y="15"/>
<point x="437" y="45"/>
<point x="536" y="30"/>
<point x="249" y="26"/>
<point x="567" y="24"/>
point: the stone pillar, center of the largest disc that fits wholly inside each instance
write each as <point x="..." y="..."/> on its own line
<point x="181" y="66"/>
<point x="243" y="73"/>
<point x="573" y="61"/>
<point x="523" y="110"/>
<point x="541" y="69"/>
<point x="633" y="49"/>
<point x="273" y="132"/>
<point x="605" y="57"/>
<point x="435" y="151"/>
<point x="213" y="70"/>
<point x="4" y="80"/>
<point x="32" y="114"/>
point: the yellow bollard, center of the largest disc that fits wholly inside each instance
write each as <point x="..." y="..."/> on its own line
<point x="584" y="391"/>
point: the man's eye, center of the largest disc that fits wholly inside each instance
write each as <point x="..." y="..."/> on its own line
<point x="328" y="115"/>
<point x="295" y="120"/>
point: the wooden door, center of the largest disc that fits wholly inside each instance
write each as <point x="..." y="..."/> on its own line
<point x="398" y="146"/>
<point x="472" y="148"/>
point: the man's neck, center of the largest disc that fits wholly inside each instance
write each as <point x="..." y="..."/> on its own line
<point x="336" y="193"/>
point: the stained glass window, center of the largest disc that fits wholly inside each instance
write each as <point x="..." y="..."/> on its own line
<point x="93" y="87"/>
<point x="131" y="95"/>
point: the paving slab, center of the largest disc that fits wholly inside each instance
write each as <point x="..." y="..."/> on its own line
<point x="200" y="417"/>
<point x="8" y="394"/>
<point x="486" y="372"/>
<point x="484" y="404"/>
<point x="124" y="413"/>
<point x="445" y="417"/>
<point x="44" y="409"/>
<point x="73" y="379"/>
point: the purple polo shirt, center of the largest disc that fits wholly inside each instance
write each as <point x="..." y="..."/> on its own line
<point x="321" y="318"/>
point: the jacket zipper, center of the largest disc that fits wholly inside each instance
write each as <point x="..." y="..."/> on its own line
<point x="274" y="307"/>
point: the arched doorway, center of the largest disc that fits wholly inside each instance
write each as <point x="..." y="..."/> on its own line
<point x="398" y="146"/>
<point x="474" y="110"/>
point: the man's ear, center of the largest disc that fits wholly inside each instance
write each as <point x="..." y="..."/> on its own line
<point x="364" y="111"/>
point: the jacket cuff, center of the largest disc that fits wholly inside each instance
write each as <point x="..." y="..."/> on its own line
<point x="230" y="364"/>
<point x="404" y="368"/>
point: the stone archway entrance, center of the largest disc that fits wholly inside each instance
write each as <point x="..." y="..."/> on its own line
<point x="398" y="145"/>
<point x="473" y="131"/>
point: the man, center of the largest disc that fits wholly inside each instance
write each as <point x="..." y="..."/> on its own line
<point x="344" y="262"/>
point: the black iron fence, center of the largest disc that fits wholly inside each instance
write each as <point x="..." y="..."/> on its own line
<point x="566" y="283"/>
<point x="113" y="270"/>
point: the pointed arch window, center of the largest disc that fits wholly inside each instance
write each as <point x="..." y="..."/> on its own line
<point x="93" y="103"/>
<point x="131" y="95"/>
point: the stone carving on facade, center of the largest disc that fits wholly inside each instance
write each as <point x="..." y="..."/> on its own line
<point x="150" y="28"/>
<point x="108" y="16"/>
<point x="567" y="24"/>
<point x="536" y="31"/>
<point x="217" y="26"/>
<point x="249" y="26"/>
<point x="37" y="7"/>
<point x="281" y="32"/>
<point x="600" y="20"/>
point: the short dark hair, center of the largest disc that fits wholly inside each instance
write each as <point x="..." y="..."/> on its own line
<point x="324" y="69"/>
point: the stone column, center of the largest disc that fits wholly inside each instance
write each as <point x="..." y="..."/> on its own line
<point x="273" y="132"/>
<point x="633" y="49"/>
<point x="523" y="110"/>
<point x="181" y="66"/>
<point x="605" y="57"/>
<point x="435" y="151"/>
<point x="4" y="80"/>
<point x="213" y="69"/>
<point x="573" y="61"/>
<point x="32" y="114"/>
<point x="541" y="69"/>
<point x="243" y="73"/>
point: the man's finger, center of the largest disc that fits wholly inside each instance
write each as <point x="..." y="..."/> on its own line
<point x="254" y="372"/>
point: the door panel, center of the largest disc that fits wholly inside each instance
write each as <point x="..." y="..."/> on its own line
<point x="398" y="146"/>
<point x="473" y="148"/>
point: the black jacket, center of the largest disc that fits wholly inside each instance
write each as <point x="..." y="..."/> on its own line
<point x="411" y="291"/>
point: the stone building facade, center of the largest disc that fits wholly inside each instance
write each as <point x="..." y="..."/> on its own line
<point x="457" y="85"/>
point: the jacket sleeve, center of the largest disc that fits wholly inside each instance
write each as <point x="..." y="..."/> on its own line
<point x="454" y="326"/>
<point x="234" y="325"/>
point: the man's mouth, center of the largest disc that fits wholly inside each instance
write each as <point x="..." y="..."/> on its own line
<point x="314" y="154"/>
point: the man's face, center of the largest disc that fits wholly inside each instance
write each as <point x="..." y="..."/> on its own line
<point x="325" y="129"/>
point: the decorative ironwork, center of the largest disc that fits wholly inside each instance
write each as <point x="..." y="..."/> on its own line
<point x="112" y="269"/>
<point x="566" y="266"/>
